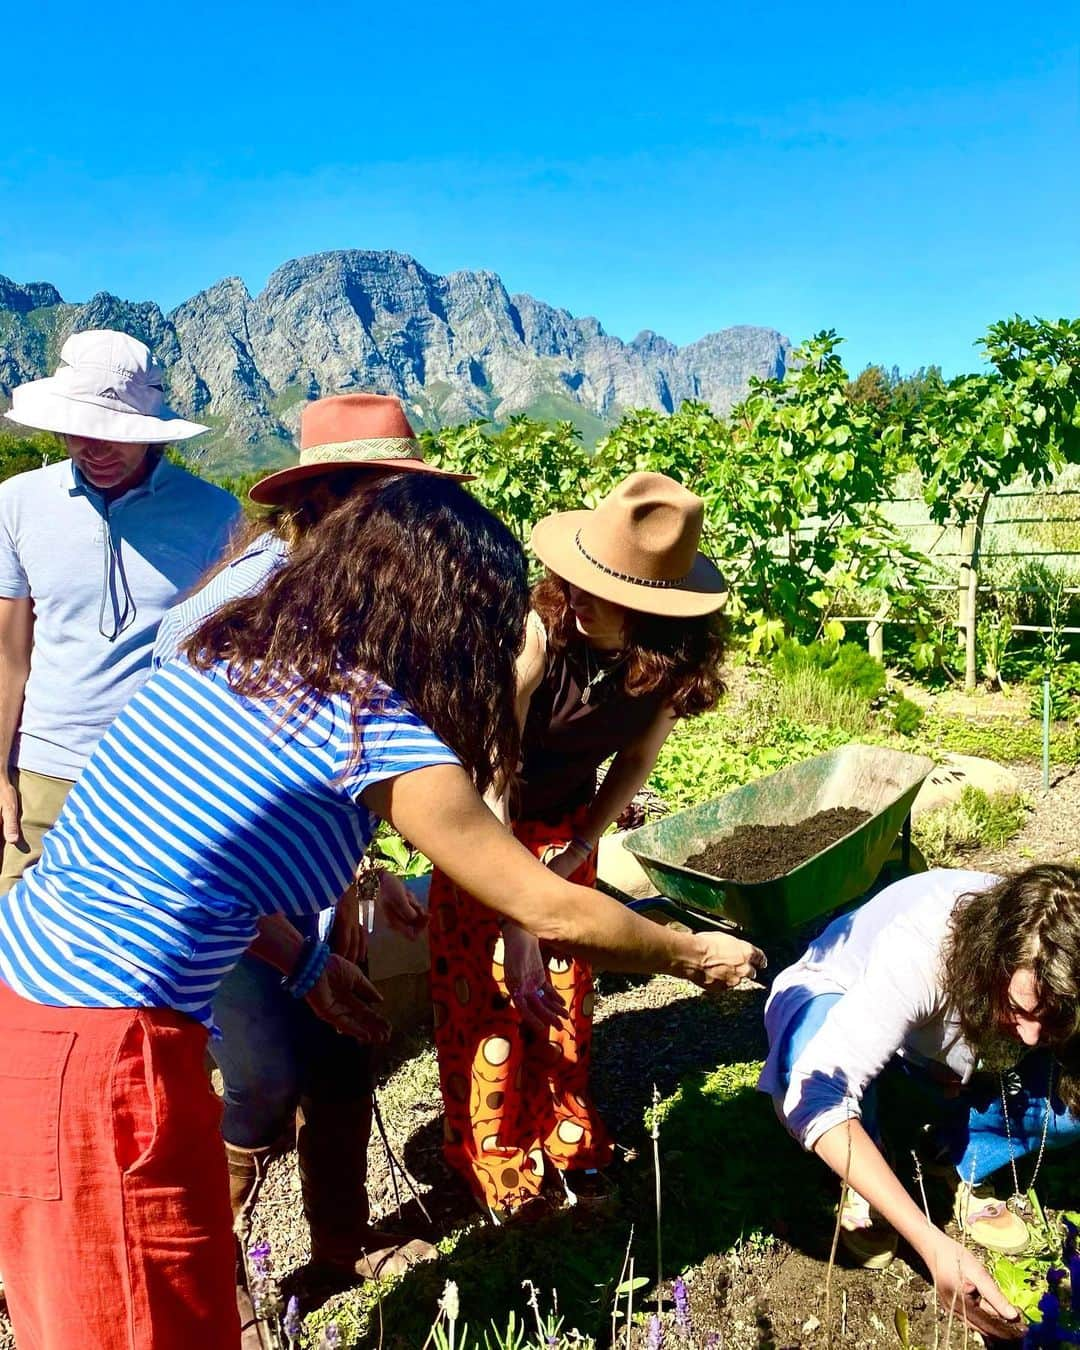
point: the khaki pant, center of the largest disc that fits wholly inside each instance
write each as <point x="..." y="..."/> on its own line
<point x="40" y="801"/>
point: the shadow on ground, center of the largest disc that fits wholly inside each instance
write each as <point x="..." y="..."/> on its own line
<point x="729" y="1173"/>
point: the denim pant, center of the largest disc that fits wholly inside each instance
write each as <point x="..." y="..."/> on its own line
<point x="274" y="1051"/>
<point x="969" y="1129"/>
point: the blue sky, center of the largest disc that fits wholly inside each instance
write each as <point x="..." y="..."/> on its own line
<point x="904" y="174"/>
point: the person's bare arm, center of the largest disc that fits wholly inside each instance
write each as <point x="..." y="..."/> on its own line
<point x="962" y="1282"/>
<point x="629" y="770"/>
<point x="16" y="640"/>
<point x="439" y="811"/>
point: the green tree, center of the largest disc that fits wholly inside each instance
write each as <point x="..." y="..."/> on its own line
<point x="978" y="433"/>
<point x="791" y="482"/>
<point x="524" y="471"/>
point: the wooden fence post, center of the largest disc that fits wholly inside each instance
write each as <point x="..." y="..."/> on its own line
<point x="970" y="548"/>
<point x="875" y="632"/>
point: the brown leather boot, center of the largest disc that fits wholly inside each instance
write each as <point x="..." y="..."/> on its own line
<point x="247" y="1168"/>
<point x="331" y="1150"/>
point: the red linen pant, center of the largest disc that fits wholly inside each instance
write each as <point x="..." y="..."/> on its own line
<point x="512" y="1099"/>
<point x="115" y="1229"/>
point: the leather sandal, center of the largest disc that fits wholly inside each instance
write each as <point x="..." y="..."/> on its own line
<point x="867" y="1239"/>
<point x="988" y="1220"/>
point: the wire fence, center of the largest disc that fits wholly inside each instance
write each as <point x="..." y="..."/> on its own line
<point x="971" y="552"/>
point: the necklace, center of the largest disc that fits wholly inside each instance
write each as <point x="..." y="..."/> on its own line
<point x="594" y="676"/>
<point x="1019" y="1201"/>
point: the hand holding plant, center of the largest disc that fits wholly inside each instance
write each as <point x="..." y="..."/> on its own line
<point x="966" y="1287"/>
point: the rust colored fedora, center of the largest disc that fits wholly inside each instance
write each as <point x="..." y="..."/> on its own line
<point x="359" y="431"/>
<point x="638" y="549"/>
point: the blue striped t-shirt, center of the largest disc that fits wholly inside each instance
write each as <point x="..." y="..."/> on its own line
<point x="194" y="817"/>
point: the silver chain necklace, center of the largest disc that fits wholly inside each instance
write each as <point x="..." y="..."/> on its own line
<point x="593" y="677"/>
<point x="1019" y="1201"/>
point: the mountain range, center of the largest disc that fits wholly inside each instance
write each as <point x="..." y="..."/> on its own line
<point x="452" y="347"/>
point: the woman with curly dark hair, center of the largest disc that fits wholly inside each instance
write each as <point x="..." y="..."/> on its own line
<point x="622" y="641"/>
<point x="371" y="677"/>
<point x="965" y="987"/>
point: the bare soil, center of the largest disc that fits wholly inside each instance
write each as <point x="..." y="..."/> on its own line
<point x="764" y="852"/>
<point x="776" y="1293"/>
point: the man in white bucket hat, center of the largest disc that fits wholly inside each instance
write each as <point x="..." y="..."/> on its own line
<point x="93" y="550"/>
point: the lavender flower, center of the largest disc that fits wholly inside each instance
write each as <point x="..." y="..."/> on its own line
<point x="265" y="1298"/>
<point x="292" y="1325"/>
<point x="330" y="1338"/>
<point x="711" y="1341"/>
<point x="259" y="1258"/>
<point x="682" y="1308"/>
<point x="656" y="1334"/>
<point x="1051" y="1311"/>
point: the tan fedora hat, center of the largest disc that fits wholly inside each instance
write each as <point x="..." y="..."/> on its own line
<point x="638" y="549"/>
<point x="360" y="431"/>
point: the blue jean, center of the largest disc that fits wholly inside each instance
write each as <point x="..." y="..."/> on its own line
<point x="969" y="1129"/>
<point x="274" y="1052"/>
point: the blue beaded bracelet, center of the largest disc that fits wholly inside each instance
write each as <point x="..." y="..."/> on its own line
<point x="307" y="972"/>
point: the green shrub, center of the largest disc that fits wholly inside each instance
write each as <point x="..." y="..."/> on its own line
<point x="907" y="717"/>
<point x="975" y="821"/>
<point x="810" y="698"/>
<point x="845" y="665"/>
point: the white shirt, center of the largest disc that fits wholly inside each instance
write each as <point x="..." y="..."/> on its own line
<point x="885" y="959"/>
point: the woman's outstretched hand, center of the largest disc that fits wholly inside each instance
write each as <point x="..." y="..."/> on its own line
<point x="346" y="998"/>
<point x="727" y="960"/>
<point x="965" y="1286"/>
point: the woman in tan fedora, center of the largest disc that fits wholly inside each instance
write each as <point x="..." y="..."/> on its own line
<point x="622" y="641"/>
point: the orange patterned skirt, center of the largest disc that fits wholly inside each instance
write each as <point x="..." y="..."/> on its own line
<point x="514" y="1100"/>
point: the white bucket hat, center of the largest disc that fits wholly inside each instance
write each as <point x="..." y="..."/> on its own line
<point x="107" y="389"/>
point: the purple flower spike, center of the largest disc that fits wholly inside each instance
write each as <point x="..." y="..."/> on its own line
<point x="292" y="1324"/>
<point x="711" y="1341"/>
<point x="331" y="1337"/>
<point x="682" y="1307"/>
<point x="259" y="1256"/>
<point x="1073" y="1262"/>
<point x="656" y="1334"/>
<point x="1050" y="1309"/>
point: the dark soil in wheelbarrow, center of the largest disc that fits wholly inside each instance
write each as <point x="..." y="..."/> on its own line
<point x="764" y="852"/>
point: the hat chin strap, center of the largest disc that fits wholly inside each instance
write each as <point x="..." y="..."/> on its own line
<point x="383" y="447"/>
<point x="627" y="576"/>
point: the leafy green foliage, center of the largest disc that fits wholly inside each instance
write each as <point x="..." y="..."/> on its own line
<point x="978" y="433"/>
<point x="907" y="716"/>
<point x="525" y="470"/>
<point x="23" y="451"/>
<point x="844" y="665"/>
<point x="977" y="820"/>
<point x="791" y="482"/>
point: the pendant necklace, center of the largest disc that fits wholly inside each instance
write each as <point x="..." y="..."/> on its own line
<point x="1019" y="1202"/>
<point x="594" y="677"/>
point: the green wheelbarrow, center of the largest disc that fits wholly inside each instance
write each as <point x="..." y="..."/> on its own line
<point x="880" y="781"/>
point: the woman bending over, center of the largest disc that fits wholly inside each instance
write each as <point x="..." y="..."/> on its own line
<point x="966" y="988"/>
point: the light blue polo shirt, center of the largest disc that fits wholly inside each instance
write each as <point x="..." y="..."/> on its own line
<point x="100" y="575"/>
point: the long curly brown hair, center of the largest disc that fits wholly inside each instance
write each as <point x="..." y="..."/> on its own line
<point x="411" y="582"/>
<point x="678" y="658"/>
<point x="1030" y="921"/>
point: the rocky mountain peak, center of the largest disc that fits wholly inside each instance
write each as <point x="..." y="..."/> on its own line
<point x="454" y="347"/>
